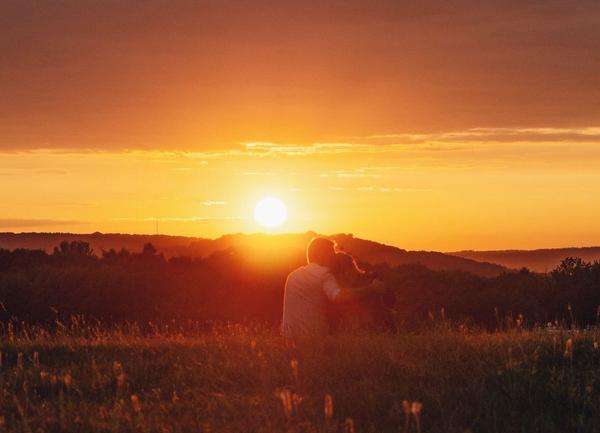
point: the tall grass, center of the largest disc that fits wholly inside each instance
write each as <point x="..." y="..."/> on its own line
<point x="83" y="378"/>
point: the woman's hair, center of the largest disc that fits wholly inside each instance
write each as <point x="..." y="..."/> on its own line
<point x="344" y="261"/>
<point x="345" y="268"/>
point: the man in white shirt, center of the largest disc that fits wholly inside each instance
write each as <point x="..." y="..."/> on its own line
<point x="309" y="288"/>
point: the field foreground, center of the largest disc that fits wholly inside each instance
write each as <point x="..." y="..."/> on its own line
<point x="243" y="380"/>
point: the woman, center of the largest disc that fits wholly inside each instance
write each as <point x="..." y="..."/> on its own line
<point x="368" y="313"/>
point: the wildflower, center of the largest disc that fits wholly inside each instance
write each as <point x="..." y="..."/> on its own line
<point x="294" y="365"/>
<point x="349" y="426"/>
<point x="406" y="407"/>
<point x="519" y="321"/>
<point x="119" y="373"/>
<point x="285" y="395"/>
<point x="509" y="361"/>
<point x="135" y="402"/>
<point x="416" y="407"/>
<point x="67" y="380"/>
<point x="569" y="349"/>
<point x="296" y="400"/>
<point x="117" y="368"/>
<point x="571" y="315"/>
<point x="328" y="406"/>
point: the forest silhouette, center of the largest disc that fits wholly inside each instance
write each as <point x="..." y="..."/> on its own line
<point x="235" y="285"/>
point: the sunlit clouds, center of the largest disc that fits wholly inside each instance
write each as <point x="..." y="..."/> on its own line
<point x="454" y="194"/>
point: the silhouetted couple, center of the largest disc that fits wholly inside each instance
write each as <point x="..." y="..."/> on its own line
<point x="329" y="277"/>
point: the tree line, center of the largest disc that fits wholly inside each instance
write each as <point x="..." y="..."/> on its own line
<point x="230" y="285"/>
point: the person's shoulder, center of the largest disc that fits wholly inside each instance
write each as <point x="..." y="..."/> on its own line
<point x="320" y="270"/>
<point x="313" y="269"/>
<point x="298" y="271"/>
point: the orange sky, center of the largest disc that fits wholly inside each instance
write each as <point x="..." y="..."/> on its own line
<point x="443" y="126"/>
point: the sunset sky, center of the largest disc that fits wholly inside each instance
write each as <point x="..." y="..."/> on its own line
<point x="440" y="126"/>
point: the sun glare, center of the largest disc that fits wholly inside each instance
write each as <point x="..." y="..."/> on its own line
<point x="270" y="212"/>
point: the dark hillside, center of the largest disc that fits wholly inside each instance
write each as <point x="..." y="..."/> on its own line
<point x="280" y="247"/>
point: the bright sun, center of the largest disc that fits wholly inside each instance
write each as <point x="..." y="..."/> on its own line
<point x="270" y="212"/>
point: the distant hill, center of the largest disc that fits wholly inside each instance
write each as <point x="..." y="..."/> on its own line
<point x="374" y="252"/>
<point x="543" y="260"/>
<point x="258" y="246"/>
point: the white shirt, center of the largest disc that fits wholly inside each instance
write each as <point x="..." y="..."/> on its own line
<point x="307" y="292"/>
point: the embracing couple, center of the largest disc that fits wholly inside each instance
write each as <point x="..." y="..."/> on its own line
<point x="330" y="277"/>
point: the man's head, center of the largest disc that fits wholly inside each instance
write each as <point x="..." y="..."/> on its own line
<point x="320" y="251"/>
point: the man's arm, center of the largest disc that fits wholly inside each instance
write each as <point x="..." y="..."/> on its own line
<point x="346" y="294"/>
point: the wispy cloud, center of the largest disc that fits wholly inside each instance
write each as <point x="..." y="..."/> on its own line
<point x="213" y="203"/>
<point x="25" y="222"/>
<point x="387" y="189"/>
<point x="31" y="171"/>
<point x="179" y="219"/>
<point x="412" y="189"/>
<point x="257" y="173"/>
<point x="266" y="148"/>
<point x="427" y="142"/>
<point x="350" y="173"/>
<point x="423" y="144"/>
<point x="587" y="134"/>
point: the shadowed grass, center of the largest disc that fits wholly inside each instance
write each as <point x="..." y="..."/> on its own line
<point x="232" y="378"/>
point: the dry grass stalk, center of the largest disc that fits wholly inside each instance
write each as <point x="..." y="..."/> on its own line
<point x="328" y="406"/>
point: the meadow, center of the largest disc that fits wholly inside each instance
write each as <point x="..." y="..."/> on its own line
<point x="89" y="378"/>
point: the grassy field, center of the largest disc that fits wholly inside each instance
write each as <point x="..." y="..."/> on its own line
<point x="243" y="380"/>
